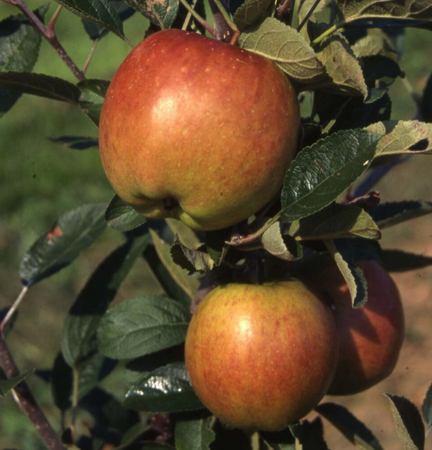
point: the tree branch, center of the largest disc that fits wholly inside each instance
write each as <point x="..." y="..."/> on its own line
<point x="25" y="400"/>
<point x="48" y="34"/>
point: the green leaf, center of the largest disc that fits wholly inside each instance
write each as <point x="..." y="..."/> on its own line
<point x="393" y="213"/>
<point x="408" y="422"/>
<point x="191" y="260"/>
<point x="164" y="390"/>
<point x="399" y="261"/>
<point x="286" y="48"/>
<point x="352" y="274"/>
<point x="120" y="216"/>
<point x="73" y="232"/>
<point x="193" y="432"/>
<point x="99" y="11"/>
<point x="354" y="430"/>
<point x="380" y="71"/>
<point x="188" y="284"/>
<point x="142" y="325"/>
<point x="427" y="407"/>
<point x="7" y="384"/>
<point x="79" y="331"/>
<point x="251" y="12"/>
<point x="19" y="49"/>
<point x="324" y="170"/>
<point x="336" y="221"/>
<point x="281" y="440"/>
<point x="342" y="66"/>
<point x="283" y="247"/>
<point x="403" y="137"/>
<point x="61" y="383"/>
<point x="409" y="12"/>
<point x="426" y="104"/>
<point x="161" y="13"/>
<point x="92" y="97"/>
<point x="185" y="234"/>
<point x="216" y="244"/>
<point x="40" y="85"/>
<point x="76" y="142"/>
<point x="96" y="31"/>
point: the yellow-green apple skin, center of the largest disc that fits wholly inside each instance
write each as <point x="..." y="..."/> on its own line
<point x="261" y="357"/>
<point x="370" y="336"/>
<point x="198" y="130"/>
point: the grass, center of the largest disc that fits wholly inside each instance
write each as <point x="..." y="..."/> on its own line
<point x="42" y="180"/>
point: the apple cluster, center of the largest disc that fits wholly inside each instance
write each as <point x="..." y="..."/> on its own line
<point x="204" y="132"/>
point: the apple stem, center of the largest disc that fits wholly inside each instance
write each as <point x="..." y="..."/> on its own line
<point x="328" y="32"/>
<point x="189" y="16"/>
<point x="12" y="310"/>
<point x="198" y="18"/>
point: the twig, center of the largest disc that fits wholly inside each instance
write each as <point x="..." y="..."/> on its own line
<point x="27" y="403"/>
<point x="310" y="12"/>
<point x="12" y="310"/>
<point x="50" y="36"/>
<point x="285" y="11"/>
<point x="328" y="32"/>
<point x="198" y="18"/>
<point x="90" y="56"/>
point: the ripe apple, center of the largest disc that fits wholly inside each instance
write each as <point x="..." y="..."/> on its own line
<point x="370" y="336"/>
<point x="198" y="130"/>
<point x="261" y="357"/>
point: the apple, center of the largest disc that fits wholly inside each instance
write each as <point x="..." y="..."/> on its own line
<point x="198" y="130"/>
<point x="370" y="336"/>
<point x="261" y="356"/>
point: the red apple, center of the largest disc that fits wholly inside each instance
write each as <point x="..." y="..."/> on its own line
<point x="370" y="336"/>
<point x="198" y="130"/>
<point x="261" y="357"/>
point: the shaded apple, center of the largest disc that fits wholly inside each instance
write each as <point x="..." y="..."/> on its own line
<point x="198" y="130"/>
<point x="261" y="357"/>
<point x="370" y="336"/>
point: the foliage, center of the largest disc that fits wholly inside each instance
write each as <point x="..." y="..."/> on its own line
<point x="345" y="68"/>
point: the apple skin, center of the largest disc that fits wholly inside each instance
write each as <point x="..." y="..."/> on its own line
<point x="370" y="336"/>
<point x="261" y="357"/>
<point x="198" y="130"/>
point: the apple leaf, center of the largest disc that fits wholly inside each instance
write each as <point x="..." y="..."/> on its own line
<point x="120" y="216"/>
<point x="19" y="49"/>
<point x="7" y="384"/>
<point x="286" y="48"/>
<point x="399" y="261"/>
<point x="160" y="13"/>
<point x="92" y="97"/>
<point x="191" y="260"/>
<point x="73" y="232"/>
<point x="79" y="330"/>
<point x="352" y="274"/>
<point x="336" y="221"/>
<point x="342" y="66"/>
<point x="393" y="213"/>
<point x="99" y="11"/>
<point x="216" y="244"/>
<point x="187" y="236"/>
<point x="280" y="245"/>
<point x="76" y="142"/>
<point x="96" y="31"/>
<point x="405" y="12"/>
<point x="354" y="430"/>
<point x="376" y="42"/>
<point x="188" y="284"/>
<point x="403" y="137"/>
<point x="324" y="170"/>
<point x="426" y="104"/>
<point x="166" y="389"/>
<point x="40" y="85"/>
<point x="142" y="325"/>
<point x="305" y="6"/>
<point x="427" y="407"/>
<point x="250" y="13"/>
<point x="309" y="435"/>
<point x="193" y="432"/>
<point x="380" y="70"/>
<point x="408" y="422"/>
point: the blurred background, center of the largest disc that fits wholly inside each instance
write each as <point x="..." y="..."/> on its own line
<point x="41" y="180"/>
